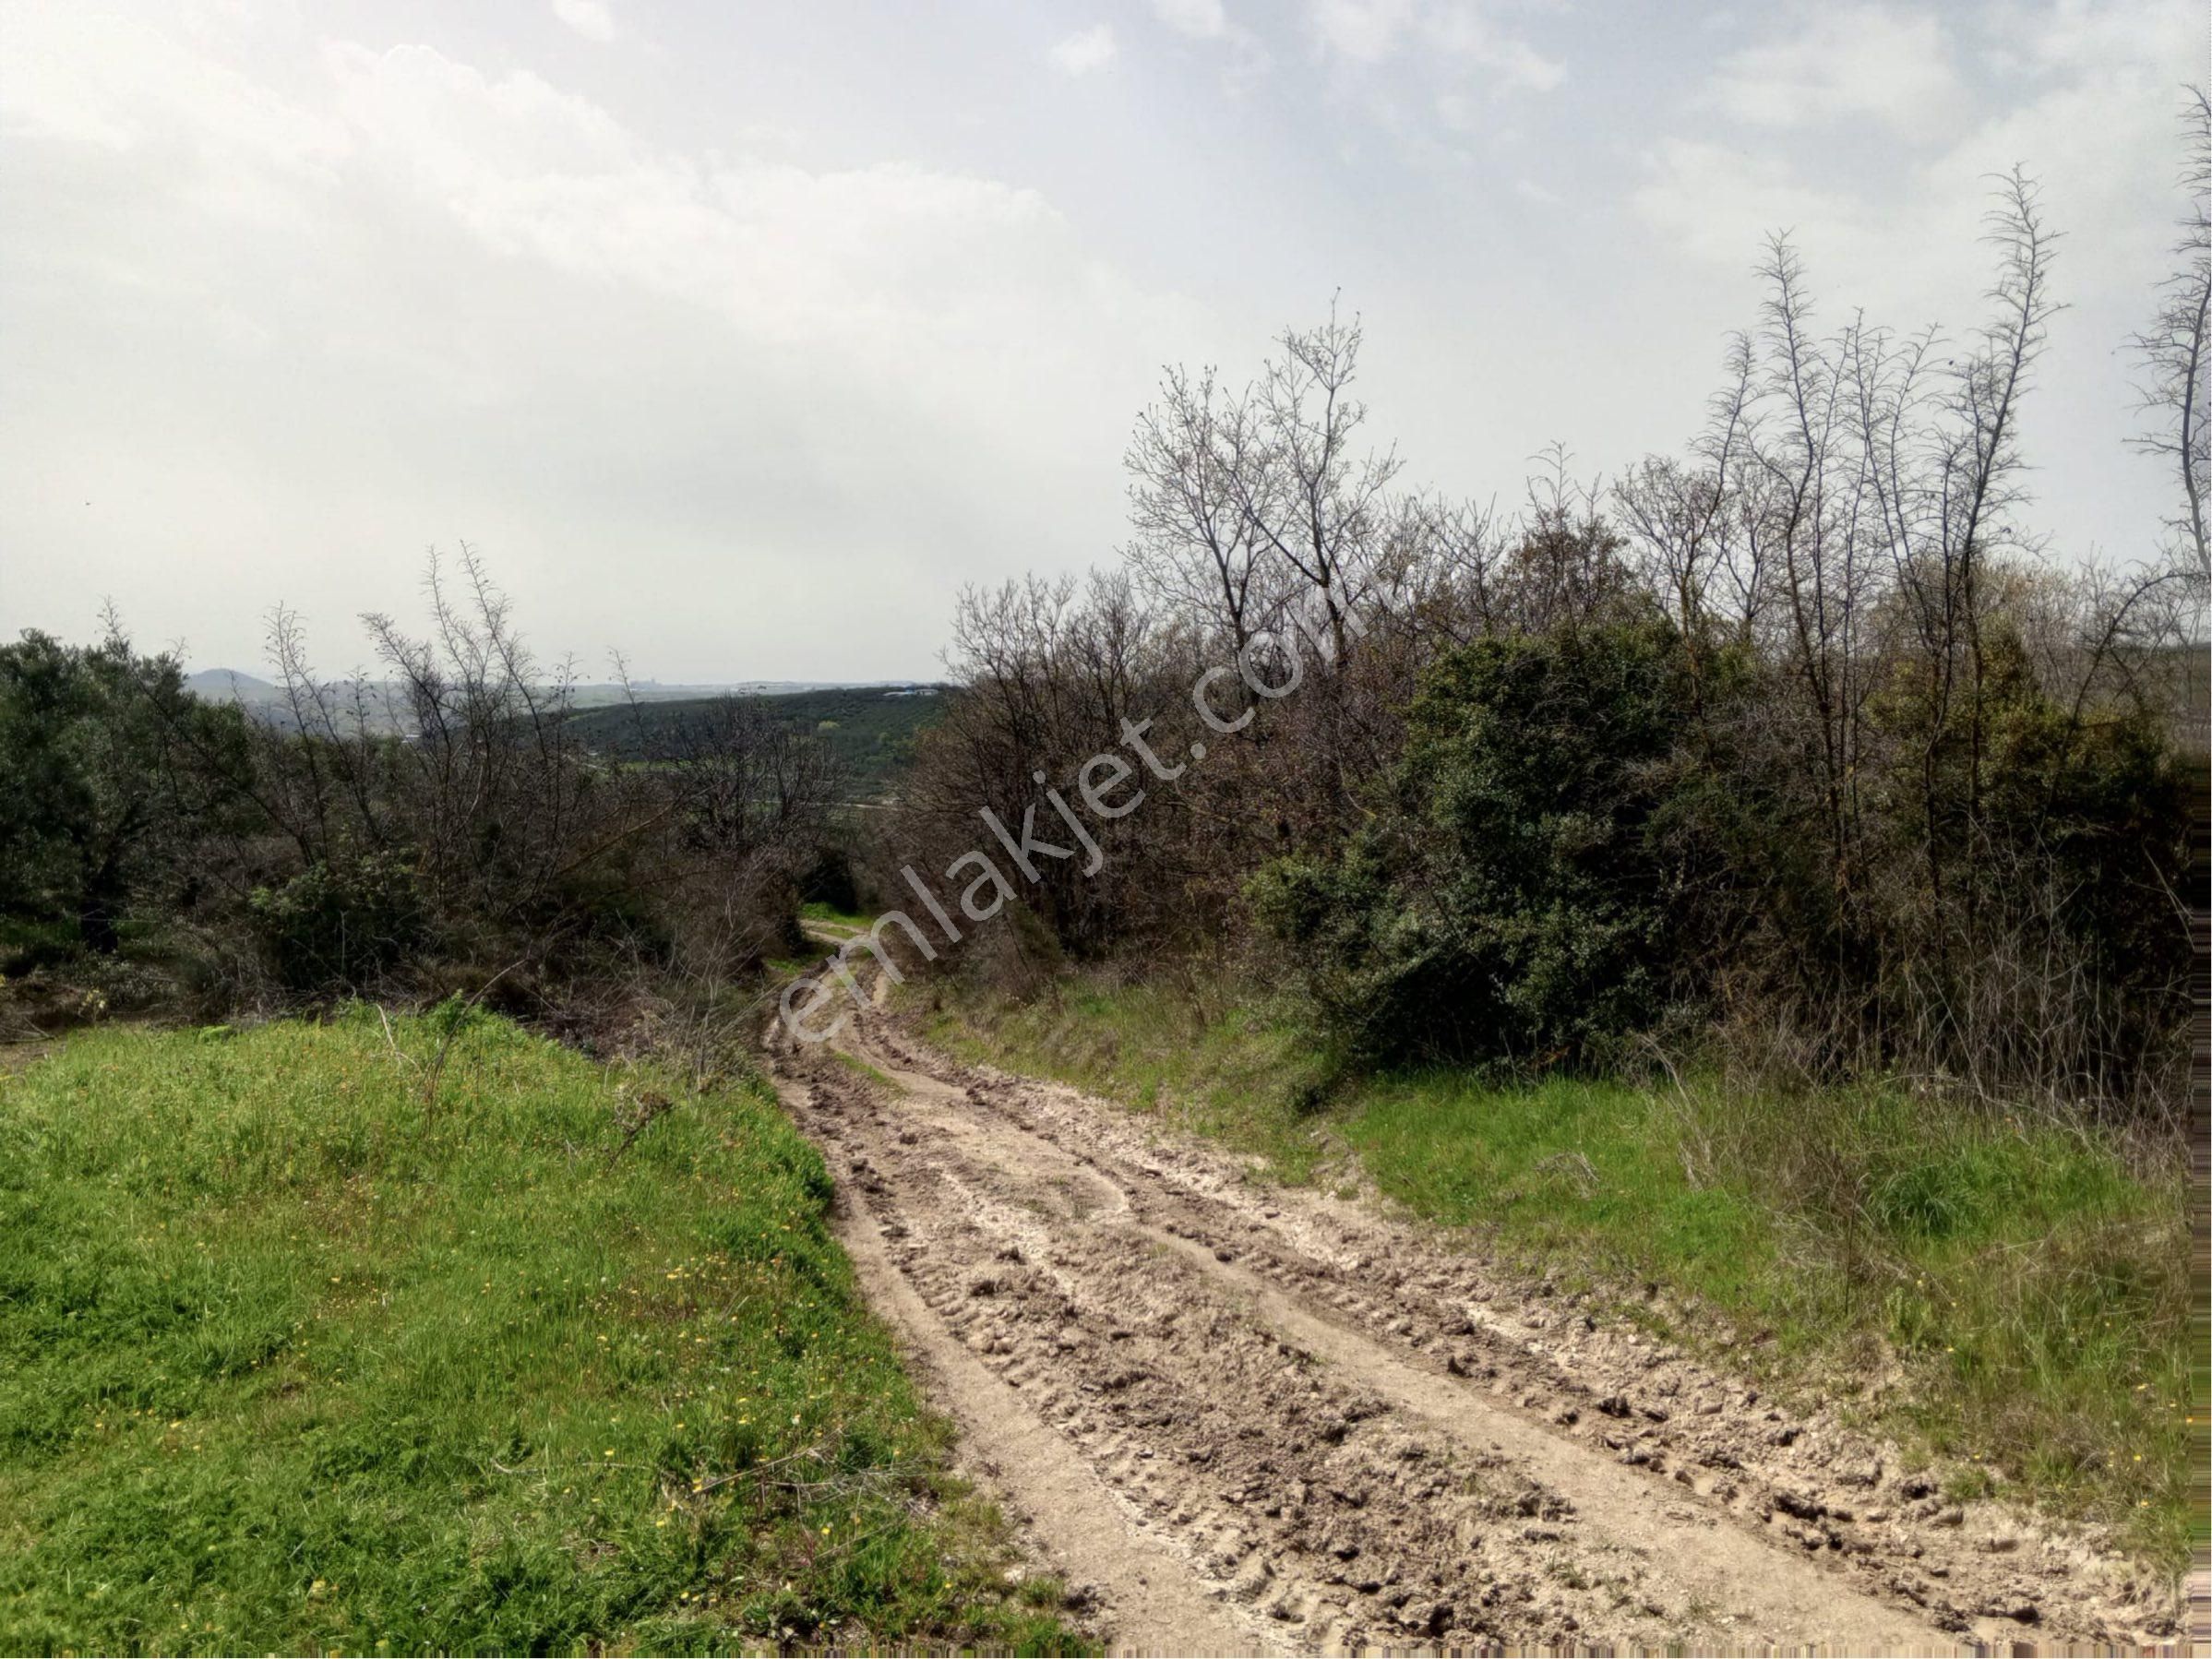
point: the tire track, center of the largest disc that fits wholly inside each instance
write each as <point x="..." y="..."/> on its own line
<point x="1264" y="1420"/>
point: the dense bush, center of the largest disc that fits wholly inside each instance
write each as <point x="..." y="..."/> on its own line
<point x="1582" y="834"/>
<point x="830" y="879"/>
<point x="327" y="928"/>
<point x="1516" y="895"/>
<point x="99" y="798"/>
<point x="2022" y="918"/>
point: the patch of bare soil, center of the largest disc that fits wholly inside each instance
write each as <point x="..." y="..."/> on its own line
<point x="1249" y="1419"/>
<point x="23" y="1055"/>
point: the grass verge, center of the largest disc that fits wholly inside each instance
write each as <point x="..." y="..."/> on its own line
<point x="2030" y="1281"/>
<point x="309" y="1343"/>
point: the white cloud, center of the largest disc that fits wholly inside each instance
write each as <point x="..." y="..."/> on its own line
<point x="1452" y="33"/>
<point x="1086" y="51"/>
<point x="472" y="301"/>
<point x="141" y="87"/>
<point x="1463" y="31"/>
<point x="2096" y="128"/>
<point x="1842" y="63"/>
<point x="1718" y="202"/>
<point x="1201" y="19"/>
<point x="2066" y="36"/>
<point x="1246" y="59"/>
<point x="280" y="311"/>
<point x="1366" y="32"/>
<point x="2086" y="106"/>
<point x="590" y="18"/>
<point x="890" y="257"/>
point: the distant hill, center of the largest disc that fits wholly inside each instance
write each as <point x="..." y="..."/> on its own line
<point x="870" y="729"/>
<point x="238" y="685"/>
<point x="598" y="694"/>
<point x="215" y="684"/>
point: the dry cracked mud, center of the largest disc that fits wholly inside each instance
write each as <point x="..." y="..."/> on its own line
<point x="1238" y="1418"/>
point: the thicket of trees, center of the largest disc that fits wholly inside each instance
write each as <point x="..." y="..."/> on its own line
<point x="439" y="826"/>
<point x="1803" y="735"/>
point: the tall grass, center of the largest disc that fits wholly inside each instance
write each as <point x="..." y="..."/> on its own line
<point x="309" y="1343"/>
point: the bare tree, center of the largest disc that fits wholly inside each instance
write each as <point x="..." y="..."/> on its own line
<point x="2172" y="350"/>
<point x="1194" y="547"/>
<point x="1981" y="472"/>
<point x="1681" y="513"/>
<point x="1792" y="415"/>
<point x="1445" y="562"/>
<point x="1306" y="494"/>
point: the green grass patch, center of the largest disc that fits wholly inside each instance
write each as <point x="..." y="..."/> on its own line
<point x="816" y="910"/>
<point x="299" y="1353"/>
<point x="854" y="1063"/>
<point x="1238" y="1071"/>
<point x="2032" y="1279"/>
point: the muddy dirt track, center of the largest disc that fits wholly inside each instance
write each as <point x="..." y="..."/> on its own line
<point x="1241" y="1419"/>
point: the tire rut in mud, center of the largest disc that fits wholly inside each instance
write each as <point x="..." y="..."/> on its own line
<point x="1350" y="1439"/>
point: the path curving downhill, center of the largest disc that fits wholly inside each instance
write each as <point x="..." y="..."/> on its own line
<point x="1246" y="1419"/>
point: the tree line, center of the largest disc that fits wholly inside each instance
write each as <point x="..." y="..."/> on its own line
<point x="1802" y="740"/>
<point x="444" y="826"/>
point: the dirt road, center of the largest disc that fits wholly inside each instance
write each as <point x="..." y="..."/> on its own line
<point x="1246" y="1419"/>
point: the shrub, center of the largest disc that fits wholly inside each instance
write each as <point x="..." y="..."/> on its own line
<point x="332" y="926"/>
<point x="1515" y="898"/>
<point x="103" y="756"/>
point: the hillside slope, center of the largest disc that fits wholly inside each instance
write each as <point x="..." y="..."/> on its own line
<point x="311" y="1342"/>
<point x="870" y="729"/>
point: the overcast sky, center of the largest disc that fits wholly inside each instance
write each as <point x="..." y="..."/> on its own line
<point x="737" y="335"/>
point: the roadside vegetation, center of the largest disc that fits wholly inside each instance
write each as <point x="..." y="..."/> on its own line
<point x="1805" y="746"/>
<point x="2003" y="1291"/>
<point x="431" y="1336"/>
<point x="1765" y="875"/>
<point x="451" y="827"/>
<point x="836" y="915"/>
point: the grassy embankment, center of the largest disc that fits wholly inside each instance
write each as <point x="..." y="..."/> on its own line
<point x="301" y="1351"/>
<point x="2032" y="1280"/>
